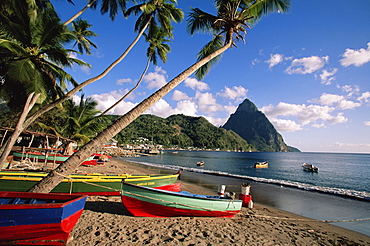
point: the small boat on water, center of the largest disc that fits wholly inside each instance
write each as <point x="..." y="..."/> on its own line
<point x="310" y="168"/>
<point x="148" y="202"/>
<point x="89" y="184"/>
<point x="38" y="218"/>
<point x="264" y="164"/>
<point x="200" y="163"/>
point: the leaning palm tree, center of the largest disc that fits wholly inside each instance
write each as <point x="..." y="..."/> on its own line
<point x="156" y="47"/>
<point x="160" y="9"/>
<point x="231" y="21"/>
<point x="80" y="30"/>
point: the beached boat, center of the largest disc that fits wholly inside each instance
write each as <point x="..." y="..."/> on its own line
<point x="89" y="184"/>
<point x="51" y="157"/>
<point x="148" y="202"/>
<point x="310" y="168"/>
<point x="264" y="164"/>
<point x="38" y="218"/>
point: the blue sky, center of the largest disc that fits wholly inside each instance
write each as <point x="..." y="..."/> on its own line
<point x="308" y="70"/>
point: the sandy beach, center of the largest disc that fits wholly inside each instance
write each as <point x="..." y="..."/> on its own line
<point x="106" y="222"/>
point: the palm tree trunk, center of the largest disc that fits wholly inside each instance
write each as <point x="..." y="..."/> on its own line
<point x="54" y="178"/>
<point x="128" y="93"/>
<point x="7" y="148"/>
<point x="69" y="94"/>
<point x="79" y="13"/>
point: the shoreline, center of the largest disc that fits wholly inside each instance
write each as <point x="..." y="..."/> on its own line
<point x="105" y="222"/>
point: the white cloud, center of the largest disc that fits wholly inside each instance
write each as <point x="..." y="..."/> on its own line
<point x="351" y="147"/>
<point x="337" y="100"/>
<point x="364" y="97"/>
<point x="179" y="95"/>
<point x="156" y="79"/>
<point x="327" y="76"/>
<point x="164" y="109"/>
<point x="195" y="84"/>
<point x="236" y="93"/>
<point x="282" y="125"/>
<point x="330" y="99"/>
<point x="356" y="57"/>
<point x="305" y="114"/>
<point x="367" y="123"/>
<point x="230" y="109"/>
<point x="216" y="121"/>
<point x="351" y="89"/>
<point x="275" y="59"/>
<point x="307" y="65"/>
<point x="207" y="103"/>
<point x="346" y="104"/>
<point x="187" y="107"/>
<point x="105" y="100"/>
<point x="122" y="81"/>
<point x="161" y="109"/>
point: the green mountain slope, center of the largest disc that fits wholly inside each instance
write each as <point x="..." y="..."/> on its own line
<point x="183" y="132"/>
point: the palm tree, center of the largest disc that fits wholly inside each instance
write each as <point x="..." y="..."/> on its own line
<point x="32" y="57"/>
<point x="106" y="5"/>
<point x="232" y="15"/>
<point x="157" y="8"/>
<point x="80" y="30"/>
<point x="77" y="121"/>
<point x="156" y="47"/>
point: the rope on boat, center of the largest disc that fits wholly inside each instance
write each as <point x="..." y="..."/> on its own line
<point x="70" y="180"/>
<point x="309" y="220"/>
<point x="185" y="205"/>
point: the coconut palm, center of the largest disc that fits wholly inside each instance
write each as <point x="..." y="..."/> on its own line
<point x="32" y="54"/>
<point x="152" y="10"/>
<point x="157" y="8"/>
<point x="110" y="6"/>
<point x="81" y="32"/>
<point x="156" y="47"/>
<point x="32" y="57"/>
<point x="232" y="15"/>
<point x="77" y="121"/>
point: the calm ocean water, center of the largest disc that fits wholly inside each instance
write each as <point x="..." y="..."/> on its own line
<point x="340" y="174"/>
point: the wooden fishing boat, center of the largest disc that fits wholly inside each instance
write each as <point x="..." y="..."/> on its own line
<point x="89" y="184"/>
<point x="264" y="164"/>
<point x="51" y="157"/>
<point x="148" y="202"/>
<point x="310" y="168"/>
<point x="38" y="218"/>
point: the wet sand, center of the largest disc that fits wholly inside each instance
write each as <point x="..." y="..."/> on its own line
<point x="106" y="222"/>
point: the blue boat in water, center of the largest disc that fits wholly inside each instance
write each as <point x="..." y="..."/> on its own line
<point x="38" y="218"/>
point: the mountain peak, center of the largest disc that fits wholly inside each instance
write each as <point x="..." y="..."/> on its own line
<point x="253" y="126"/>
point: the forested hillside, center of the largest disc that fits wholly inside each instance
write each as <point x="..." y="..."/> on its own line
<point x="183" y="132"/>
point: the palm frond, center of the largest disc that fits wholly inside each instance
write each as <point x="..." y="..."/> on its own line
<point x="216" y="43"/>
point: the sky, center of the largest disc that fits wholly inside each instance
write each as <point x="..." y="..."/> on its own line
<point x="307" y="70"/>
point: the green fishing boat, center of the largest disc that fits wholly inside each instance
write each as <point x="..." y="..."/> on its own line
<point x="148" y="202"/>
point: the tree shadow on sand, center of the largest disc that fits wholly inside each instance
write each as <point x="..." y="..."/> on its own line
<point x="107" y="207"/>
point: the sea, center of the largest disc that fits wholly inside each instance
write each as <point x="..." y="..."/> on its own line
<point x="339" y="192"/>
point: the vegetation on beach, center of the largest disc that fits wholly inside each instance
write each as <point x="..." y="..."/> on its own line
<point x="227" y="26"/>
